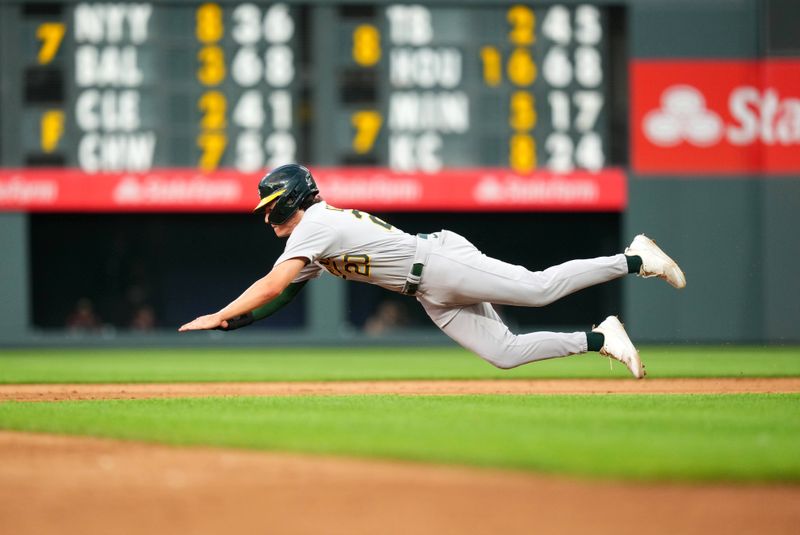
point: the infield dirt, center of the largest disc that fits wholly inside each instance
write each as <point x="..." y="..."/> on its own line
<point x="70" y="485"/>
<point x="64" y="392"/>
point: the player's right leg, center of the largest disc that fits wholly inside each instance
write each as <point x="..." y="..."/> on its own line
<point x="479" y="329"/>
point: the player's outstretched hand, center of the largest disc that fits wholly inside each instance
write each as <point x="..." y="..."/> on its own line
<point x="210" y="321"/>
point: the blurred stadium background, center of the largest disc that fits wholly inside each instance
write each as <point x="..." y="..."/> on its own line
<point x="132" y="136"/>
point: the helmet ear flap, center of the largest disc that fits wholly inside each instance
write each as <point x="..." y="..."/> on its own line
<point x="290" y="198"/>
<point x="283" y="209"/>
<point x="277" y="218"/>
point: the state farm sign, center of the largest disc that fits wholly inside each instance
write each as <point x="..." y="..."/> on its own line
<point x="716" y="117"/>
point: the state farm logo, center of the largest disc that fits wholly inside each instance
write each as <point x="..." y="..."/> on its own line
<point x="758" y="116"/>
<point x="683" y="117"/>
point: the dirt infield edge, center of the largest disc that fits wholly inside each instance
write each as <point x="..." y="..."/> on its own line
<point x="64" y="392"/>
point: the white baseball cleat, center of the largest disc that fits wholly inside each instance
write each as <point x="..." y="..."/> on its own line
<point x="619" y="347"/>
<point x="655" y="262"/>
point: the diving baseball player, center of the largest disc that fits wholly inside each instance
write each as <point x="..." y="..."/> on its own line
<point x="455" y="283"/>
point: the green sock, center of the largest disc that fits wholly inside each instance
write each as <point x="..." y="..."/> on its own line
<point x="595" y="341"/>
<point x="634" y="263"/>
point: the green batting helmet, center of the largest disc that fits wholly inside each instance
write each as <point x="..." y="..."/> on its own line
<point x="290" y="184"/>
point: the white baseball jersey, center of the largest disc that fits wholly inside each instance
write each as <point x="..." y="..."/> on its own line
<point x="352" y="245"/>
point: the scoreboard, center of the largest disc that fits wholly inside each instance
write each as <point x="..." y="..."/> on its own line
<point x="515" y="86"/>
<point x="129" y="87"/>
<point x="511" y="100"/>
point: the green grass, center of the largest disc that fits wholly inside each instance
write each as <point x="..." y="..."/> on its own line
<point x="185" y="365"/>
<point x="752" y="437"/>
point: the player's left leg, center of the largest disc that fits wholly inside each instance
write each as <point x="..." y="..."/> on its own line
<point x="457" y="273"/>
<point x="481" y="330"/>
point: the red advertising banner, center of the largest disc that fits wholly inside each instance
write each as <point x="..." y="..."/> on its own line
<point x="377" y="189"/>
<point x="715" y="117"/>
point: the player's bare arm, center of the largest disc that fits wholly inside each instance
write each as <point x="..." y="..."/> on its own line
<point x="258" y="294"/>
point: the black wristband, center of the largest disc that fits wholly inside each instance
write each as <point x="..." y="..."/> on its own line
<point x="239" y="321"/>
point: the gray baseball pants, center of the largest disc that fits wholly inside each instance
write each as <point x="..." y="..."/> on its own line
<point x="459" y="284"/>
